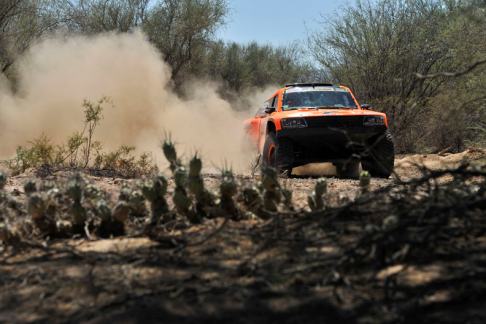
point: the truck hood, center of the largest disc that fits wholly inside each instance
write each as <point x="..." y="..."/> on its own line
<point x="311" y="113"/>
<point x="328" y="112"/>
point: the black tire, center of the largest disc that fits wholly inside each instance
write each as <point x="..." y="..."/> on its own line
<point x="380" y="160"/>
<point x="278" y="154"/>
<point x="349" y="169"/>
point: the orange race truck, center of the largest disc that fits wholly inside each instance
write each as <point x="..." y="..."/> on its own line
<point x="306" y="123"/>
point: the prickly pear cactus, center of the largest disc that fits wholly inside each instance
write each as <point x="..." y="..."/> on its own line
<point x="3" y="181"/>
<point x="195" y="182"/>
<point x="272" y="194"/>
<point x="112" y="221"/>
<point x="3" y="195"/>
<point x="287" y="199"/>
<point x="195" y="185"/>
<point x="36" y="207"/>
<point x="180" y="177"/>
<point x="78" y="212"/>
<point x="30" y="187"/>
<point x="317" y="199"/>
<point x="42" y="214"/>
<point x="364" y="181"/>
<point x="8" y="235"/>
<point x="136" y="203"/>
<point x="195" y="167"/>
<point x="183" y="203"/>
<point x="92" y="192"/>
<point x="5" y="233"/>
<point x="124" y="194"/>
<point x="252" y="198"/>
<point x="181" y="199"/>
<point x="154" y="191"/>
<point x="228" y="189"/>
<point x="103" y="211"/>
<point x="170" y="154"/>
<point x="121" y="212"/>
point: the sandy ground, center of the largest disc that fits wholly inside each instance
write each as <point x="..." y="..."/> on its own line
<point x="340" y="190"/>
<point x="134" y="279"/>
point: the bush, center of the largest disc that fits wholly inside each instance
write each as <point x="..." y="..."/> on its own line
<point x="82" y="151"/>
<point x="381" y="49"/>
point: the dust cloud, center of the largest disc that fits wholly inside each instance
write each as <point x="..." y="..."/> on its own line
<point x="315" y="170"/>
<point x="57" y="74"/>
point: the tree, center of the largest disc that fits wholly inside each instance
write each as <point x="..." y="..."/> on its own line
<point x="21" y="22"/>
<point x="182" y="29"/>
<point x="95" y="16"/>
<point x="377" y="49"/>
<point x="460" y="108"/>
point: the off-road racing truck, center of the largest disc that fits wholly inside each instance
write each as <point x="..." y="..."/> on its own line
<point x="320" y="122"/>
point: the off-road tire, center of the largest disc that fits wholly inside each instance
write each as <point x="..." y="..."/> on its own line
<point x="380" y="160"/>
<point x="278" y="154"/>
<point x="349" y="169"/>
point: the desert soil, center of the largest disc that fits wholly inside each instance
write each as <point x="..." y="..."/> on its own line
<point x="219" y="276"/>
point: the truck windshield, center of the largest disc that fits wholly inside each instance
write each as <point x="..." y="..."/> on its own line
<point x="318" y="99"/>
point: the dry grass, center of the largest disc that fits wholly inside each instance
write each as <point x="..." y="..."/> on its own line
<point x="82" y="151"/>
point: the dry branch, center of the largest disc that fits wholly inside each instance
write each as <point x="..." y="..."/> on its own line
<point x="465" y="71"/>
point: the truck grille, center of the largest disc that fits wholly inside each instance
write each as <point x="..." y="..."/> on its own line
<point x="335" y="121"/>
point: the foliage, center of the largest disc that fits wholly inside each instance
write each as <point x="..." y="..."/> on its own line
<point x="241" y="67"/>
<point x="92" y="116"/>
<point x="183" y="31"/>
<point x="375" y="250"/>
<point x="407" y="251"/>
<point x="82" y="151"/>
<point x="380" y="48"/>
<point x="76" y="207"/>
<point x="316" y="199"/>
<point x="40" y="152"/>
<point x="22" y="22"/>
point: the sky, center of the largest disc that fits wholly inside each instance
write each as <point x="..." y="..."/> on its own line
<point x="278" y="22"/>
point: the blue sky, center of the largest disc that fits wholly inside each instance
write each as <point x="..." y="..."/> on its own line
<point x="278" y="22"/>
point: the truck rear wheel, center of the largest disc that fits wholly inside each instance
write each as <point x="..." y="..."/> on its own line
<point x="278" y="154"/>
<point x="380" y="160"/>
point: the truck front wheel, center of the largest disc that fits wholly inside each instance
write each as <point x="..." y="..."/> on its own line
<point x="278" y="154"/>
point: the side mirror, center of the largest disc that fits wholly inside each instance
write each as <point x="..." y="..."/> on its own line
<point x="269" y="110"/>
<point x="366" y="106"/>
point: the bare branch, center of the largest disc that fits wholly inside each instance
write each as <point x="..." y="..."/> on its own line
<point x="467" y="70"/>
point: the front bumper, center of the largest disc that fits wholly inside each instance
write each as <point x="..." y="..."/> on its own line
<point x="329" y="142"/>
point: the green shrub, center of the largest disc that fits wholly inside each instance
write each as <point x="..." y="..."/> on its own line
<point x="79" y="150"/>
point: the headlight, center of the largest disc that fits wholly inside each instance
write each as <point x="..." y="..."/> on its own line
<point x="293" y="123"/>
<point x="374" y="121"/>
